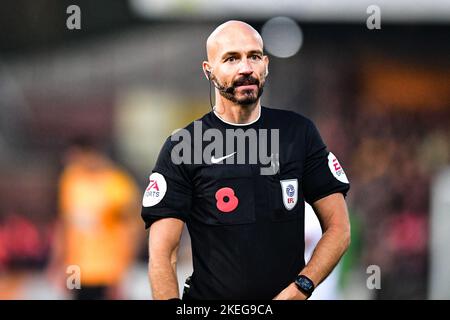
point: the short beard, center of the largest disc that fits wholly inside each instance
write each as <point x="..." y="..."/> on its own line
<point x="246" y="101"/>
<point x="229" y="93"/>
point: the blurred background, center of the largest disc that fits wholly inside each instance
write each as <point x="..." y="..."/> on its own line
<point x="132" y="74"/>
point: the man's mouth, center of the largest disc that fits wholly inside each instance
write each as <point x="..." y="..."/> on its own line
<point x="246" y="84"/>
<point x="248" y="87"/>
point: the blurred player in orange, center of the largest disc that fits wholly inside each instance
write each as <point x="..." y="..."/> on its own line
<point x="98" y="226"/>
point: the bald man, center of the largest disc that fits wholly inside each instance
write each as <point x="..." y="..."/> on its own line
<point x="241" y="84"/>
<point x="243" y="208"/>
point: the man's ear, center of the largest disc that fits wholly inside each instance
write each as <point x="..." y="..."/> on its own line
<point x="207" y="70"/>
<point x="266" y="60"/>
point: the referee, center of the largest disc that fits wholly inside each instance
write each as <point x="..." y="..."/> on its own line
<point x="246" y="224"/>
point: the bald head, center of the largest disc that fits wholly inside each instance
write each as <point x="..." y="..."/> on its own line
<point x="236" y="63"/>
<point x="229" y="33"/>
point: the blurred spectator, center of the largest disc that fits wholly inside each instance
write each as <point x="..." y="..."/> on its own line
<point x="98" y="225"/>
<point x="23" y="247"/>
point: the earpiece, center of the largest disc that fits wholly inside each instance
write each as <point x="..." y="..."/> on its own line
<point x="267" y="72"/>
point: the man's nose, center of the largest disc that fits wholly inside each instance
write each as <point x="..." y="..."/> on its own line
<point x="245" y="68"/>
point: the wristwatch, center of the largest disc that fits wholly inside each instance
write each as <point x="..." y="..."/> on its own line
<point x="304" y="284"/>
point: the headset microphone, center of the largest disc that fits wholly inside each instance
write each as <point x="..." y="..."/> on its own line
<point x="218" y="86"/>
<point x="208" y="76"/>
<point x="226" y="90"/>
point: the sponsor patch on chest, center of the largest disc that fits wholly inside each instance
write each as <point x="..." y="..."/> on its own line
<point x="289" y="189"/>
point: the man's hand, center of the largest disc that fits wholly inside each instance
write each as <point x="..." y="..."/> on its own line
<point x="291" y="293"/>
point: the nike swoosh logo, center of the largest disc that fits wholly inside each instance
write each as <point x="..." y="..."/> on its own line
<point x="214" y="160"/>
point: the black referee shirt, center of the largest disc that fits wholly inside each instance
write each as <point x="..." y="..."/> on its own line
<point x="246" y="229"/>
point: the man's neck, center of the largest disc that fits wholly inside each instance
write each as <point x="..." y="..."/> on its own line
<point x="237" y="114"/>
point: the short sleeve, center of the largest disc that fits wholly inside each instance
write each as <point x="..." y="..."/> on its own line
<point x="169" y="192"/>
<point x="323" y="174"/>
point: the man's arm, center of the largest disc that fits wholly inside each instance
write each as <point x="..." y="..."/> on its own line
<point x="164" y="239"/>
<point x="333" y="216"/>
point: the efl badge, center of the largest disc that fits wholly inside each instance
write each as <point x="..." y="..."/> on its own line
<point x="289" y="189"/>
<point x="155" y="191"/>
<point x="336" y="169"/>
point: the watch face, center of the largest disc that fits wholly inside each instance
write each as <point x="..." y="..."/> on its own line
<point x="304" y="284"/>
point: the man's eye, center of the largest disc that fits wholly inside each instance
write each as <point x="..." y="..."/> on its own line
<point x="230" y="59"/>
<point x="255" y="57"/>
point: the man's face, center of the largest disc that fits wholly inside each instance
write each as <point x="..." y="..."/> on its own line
<point x="239" y="67"/>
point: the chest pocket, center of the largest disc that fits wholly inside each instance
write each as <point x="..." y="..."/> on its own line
<point x="286" y="197"/>
<point x="226" y="195"/>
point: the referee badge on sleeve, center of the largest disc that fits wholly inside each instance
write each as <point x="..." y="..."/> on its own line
<point x="289" y="189"/>
<point x="336" y="169"/>
<point x="155" y="191"/>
